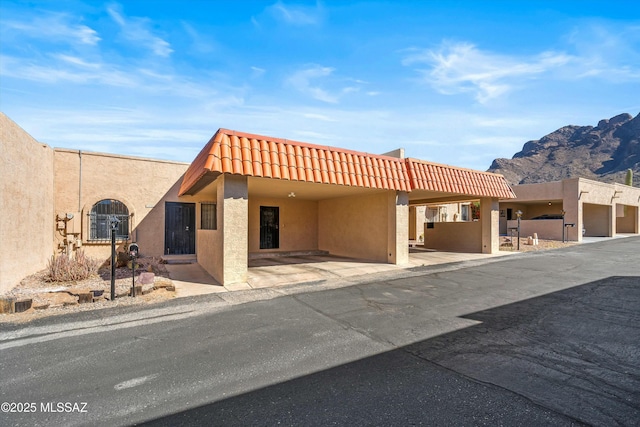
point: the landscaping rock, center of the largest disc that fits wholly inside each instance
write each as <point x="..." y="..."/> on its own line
<point x="146" y="278"/>
<point x="40" y="305"/>
<point x="21" y="305"/>
<point x="85" y="297"/>
<point x="6" y="305"/>
<point x="60" y="299"/>
<point x="162" y="282"/>
<point x="123" y="292"/>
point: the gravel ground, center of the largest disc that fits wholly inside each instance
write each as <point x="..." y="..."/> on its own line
<point x="54" y="298"/>
<point x="526" y="247"/>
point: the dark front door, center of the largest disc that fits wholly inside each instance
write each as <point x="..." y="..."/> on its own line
<point x="269" y="227"/>
<point x="179" y="228"/>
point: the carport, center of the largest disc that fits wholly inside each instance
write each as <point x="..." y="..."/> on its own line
<point x="596" y="220"/>
<point x="596" y="209"/>
<point x="261" y="196"/>
<point x="277" y="197"/>
<point x="627" y="218"/>
<point x="435" y="184"/>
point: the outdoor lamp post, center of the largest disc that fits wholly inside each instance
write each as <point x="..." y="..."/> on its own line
<point x="114" y="222"/>
<point x="519" y="214"/>
<point x="563" y="212"/>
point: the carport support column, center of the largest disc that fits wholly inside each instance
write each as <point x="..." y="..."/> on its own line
<point x="572" y="205"/>
<point x="490" y="223"/>
<point x="398" y="228"/>
<point x="233" y="224"/>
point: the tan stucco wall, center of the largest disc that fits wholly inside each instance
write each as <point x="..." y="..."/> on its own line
<point x="26" y="204"/>
<point x="233" y="213"/>
<point x="416" y="221"/>
<point x="149" y="231"/>
<point x="628" y="222"/>
<point x="463" y="236"/>
<point x="84" y="178"/>
<point x="398" y="228"/>
<point x="597" y="220"/>
<point x="355" y="226"/>
<point x="223" y="253"/>
<point x="298" y="223"/>
<point x="208" y="247"/>
<point x="589" y="204"/>
<point x="546" y="191"/>
<point x="489" y="220"/>
<point x="550" y="229"/>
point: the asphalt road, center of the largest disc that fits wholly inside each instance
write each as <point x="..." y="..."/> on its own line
<point x="550" y="338"/>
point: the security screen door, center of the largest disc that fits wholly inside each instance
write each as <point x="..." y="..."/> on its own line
<point x="269" y="227"/>
<point x="180" y="228"/>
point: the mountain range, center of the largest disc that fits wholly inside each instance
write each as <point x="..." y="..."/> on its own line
<point x="602" y="153"/>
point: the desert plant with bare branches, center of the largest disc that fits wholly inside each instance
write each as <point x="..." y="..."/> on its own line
<point x="62" y="268"/>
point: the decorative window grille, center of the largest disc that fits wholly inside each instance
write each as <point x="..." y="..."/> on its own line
<point x="100" y="216"/>
<point x="208" y="219"/>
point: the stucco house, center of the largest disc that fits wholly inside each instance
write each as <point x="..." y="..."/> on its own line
<point x="590" y="208"/>
<point x="299" y="196"/>
<point x="244" y="195"/>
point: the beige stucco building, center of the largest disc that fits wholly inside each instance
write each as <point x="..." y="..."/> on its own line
<point x="243" y="196"/>
<point x="590" y="208"/>
<point x="49" y="199"/>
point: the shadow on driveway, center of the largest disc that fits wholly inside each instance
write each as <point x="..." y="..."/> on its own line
<point x="565" y="358"/>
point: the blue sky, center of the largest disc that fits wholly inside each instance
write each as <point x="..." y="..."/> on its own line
<point x="455" y="82"/>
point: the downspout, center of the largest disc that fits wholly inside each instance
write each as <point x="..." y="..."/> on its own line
<point x="80" y="183"/>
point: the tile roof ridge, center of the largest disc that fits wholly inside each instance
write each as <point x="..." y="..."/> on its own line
<point x="427" y="162"/>
<point x="293" y="142"/>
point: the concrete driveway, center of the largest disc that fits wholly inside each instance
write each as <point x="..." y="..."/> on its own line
<point x="192" y="279"/>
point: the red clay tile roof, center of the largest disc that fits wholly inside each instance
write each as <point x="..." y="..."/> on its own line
<point x="449" y="179"/>
<point x="261" y="156"/>
<point x="240" y="153"/>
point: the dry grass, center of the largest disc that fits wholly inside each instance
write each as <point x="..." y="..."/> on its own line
<point x="62" y="268"/>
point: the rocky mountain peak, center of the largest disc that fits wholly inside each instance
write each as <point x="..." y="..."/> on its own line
<point x="602" y="153"/>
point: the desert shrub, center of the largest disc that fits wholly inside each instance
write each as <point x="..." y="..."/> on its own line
<point x="64" y="269"/>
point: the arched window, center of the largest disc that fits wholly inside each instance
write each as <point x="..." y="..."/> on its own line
<point x="99" y="220"/>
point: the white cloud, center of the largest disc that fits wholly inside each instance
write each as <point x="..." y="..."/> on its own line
<point x="316" y="116"/>
<point x="302" y="81"/>
<point x="67" y="69"/>
<point x="199" y="43"/>
<point x="350" y="89"/>
<point x="320" y="83"/>
<point x="56" y="27"/>
<point x="605" y="51"/>
<point x="136" y="30"/>
<point x="257" y="72"/>
<point x="297" y="15"/>
<point x="461" y="67"/>
<point x="74" y="60"/>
